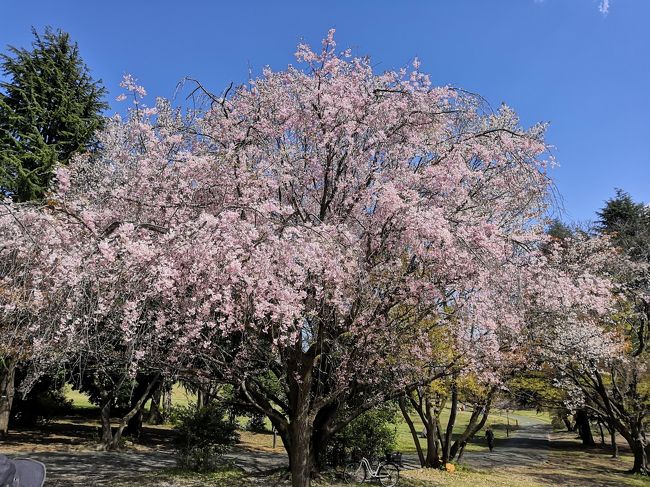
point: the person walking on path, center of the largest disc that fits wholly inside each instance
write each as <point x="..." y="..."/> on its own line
<point x="489" y="436"/>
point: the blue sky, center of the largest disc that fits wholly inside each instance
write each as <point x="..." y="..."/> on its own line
<point x="560" y="61"/>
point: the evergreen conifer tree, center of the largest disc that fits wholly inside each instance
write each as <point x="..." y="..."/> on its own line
<point x="50" y="108"/>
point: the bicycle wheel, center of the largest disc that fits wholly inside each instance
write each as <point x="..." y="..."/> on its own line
<point x="388" y="475"/>
<point x="354" y="473"/>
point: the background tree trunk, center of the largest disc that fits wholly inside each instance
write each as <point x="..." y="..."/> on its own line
<point x="432" y="459"/>
<point x="612" y="435"/>
<point x="567" y="422"/>
<point x="136" y="408"/>
<point x="155" y="414"/>
<point x="166" y="397"/>
<point x="414" y="433"/>
<point x="584" y="428"/>
<point x="107" y="433"/>
<point x="602" y="434"/>
<point x="7" y="390"/>
<point x="145" y="387"/>
<point x="446" y="447"/>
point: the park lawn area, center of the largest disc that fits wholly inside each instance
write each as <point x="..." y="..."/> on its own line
<point x="181" y="396"/>
<point x="543" y="417"/>
<point x="80" y="400"/>
<point x="569" y="463"/>
<point x="404" y="441"/>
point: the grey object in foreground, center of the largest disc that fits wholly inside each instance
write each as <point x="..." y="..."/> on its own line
<point x="21" y="472"/>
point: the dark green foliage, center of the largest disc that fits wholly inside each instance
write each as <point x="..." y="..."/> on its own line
<point x="50" y="108"/>
<point x="628" y="222"/>
<point x="372" y="435"/>
<point x="559" y="230"/>
<point x="44" y="401"/>
<point x="203" y="436"/>
<point x="98" y="384"/>
<point x="620" y="211"/>
<point x="257" y="423"/>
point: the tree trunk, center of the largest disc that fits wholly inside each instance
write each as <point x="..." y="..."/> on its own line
<point x="321" y="435"/>
<point x="612" y="435"/>
<point x="145" y="383"/>
<point x="134" y="426"/>
<point x="567" y="423"/>
<point x="107" y="433"/>
<point x="199" y="399"/>
<point x="602" y="435"/>
<point x="155" y="415"/>
<point x="115" y="442"/>
<point x="167" y="397"/>
<point x="473" y="427"/>
<point x="461" y="451"/>
<point x="433" y="451"/>
<point x="639" y="445"/>
<point x="299" y="455"/>
<point x="414" y="433"/>
<point x="446" y="447"/>
<point x="584" y="428"/>
<point x="7" y="385"/>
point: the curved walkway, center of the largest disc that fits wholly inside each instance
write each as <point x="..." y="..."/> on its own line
<point x="91" y="469"/>
<point x="528" y="447"/>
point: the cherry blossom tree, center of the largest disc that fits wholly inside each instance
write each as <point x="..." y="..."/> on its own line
<point x="598" y="353"/>
<point x="303" y="238"/>
<point x="37" y="263"/>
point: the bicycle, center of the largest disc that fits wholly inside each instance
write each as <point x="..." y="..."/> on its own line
<point x="362" y="471"/>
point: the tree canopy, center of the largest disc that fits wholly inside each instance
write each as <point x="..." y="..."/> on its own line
<point x="50" y="108"/>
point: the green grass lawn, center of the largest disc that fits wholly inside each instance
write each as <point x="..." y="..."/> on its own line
<point x="80" y="400"/>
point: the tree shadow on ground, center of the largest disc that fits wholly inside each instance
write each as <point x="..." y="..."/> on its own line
<point x="76" y="432"/>
<point x="570" y="464"/>
<point x="100" y="468"/>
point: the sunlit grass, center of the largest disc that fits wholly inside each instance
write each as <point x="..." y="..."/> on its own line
<point x="79" y="400"/>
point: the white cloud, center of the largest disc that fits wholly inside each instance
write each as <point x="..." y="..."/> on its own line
<point x="604" y="7"/>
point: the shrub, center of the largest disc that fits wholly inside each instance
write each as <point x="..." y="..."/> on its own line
<point x="204" y="435"/>
<point x="201" y="458"/>
<point x="557" y="424"/>
<point x="257" y="423"/>
<point x="44" y="401"/>
<point x="371" y="435"/>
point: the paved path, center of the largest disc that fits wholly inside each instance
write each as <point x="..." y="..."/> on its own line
<point x="91" y="469"/>
<point x="99" y="468"/>
<point x="258" y="461"/>
<point x="528" y="447"/>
